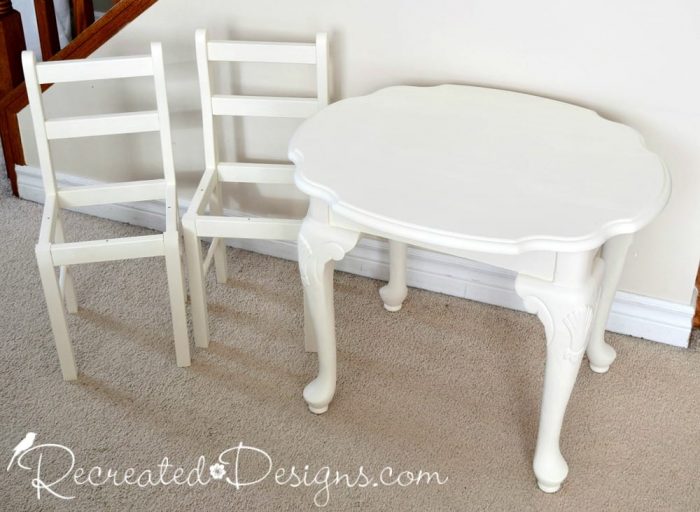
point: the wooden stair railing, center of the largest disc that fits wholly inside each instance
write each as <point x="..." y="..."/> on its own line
<point x="83" y="15"/>
<point x="85" y="43"/>
<point x="11" y="45"/>
<point x="48" y="31"/>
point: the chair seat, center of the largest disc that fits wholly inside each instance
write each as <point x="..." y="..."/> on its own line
<point x="112" y="249"/>
<point x="123" y="192"/>
<point x="235" y="172"/>
<point x="248" y="227"/>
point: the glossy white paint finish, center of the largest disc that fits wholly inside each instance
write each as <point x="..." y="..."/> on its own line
<point x="51" y="250"/>
<point x="457" y="169"/>
<point x="197" y="221"/>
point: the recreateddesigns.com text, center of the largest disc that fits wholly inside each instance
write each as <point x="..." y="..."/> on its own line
<point x="238" y="467"/>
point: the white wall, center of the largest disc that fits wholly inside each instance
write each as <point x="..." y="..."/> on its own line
<point x="634" y="61"/>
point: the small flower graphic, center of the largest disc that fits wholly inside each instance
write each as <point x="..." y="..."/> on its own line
<point x="217" y="471"/>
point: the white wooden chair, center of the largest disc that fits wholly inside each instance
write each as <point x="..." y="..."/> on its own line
<point x="51" y="250"/>
<point x="196" y="224"/>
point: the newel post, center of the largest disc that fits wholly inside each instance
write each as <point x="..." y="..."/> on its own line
<point x="11" y="46"/>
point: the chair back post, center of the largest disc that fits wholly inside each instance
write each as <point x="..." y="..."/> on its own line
<point x="36" y="103"/>
<point x="166" y="143"/>
<point x="322" y="71"/>
<point x="203" y="70"/>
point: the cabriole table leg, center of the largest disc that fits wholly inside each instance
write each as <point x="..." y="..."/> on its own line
<point x="319" y="246"/>
<point x="394" y="292"/>
<point x="600" y="354"/>
<point x="565" y="306"/>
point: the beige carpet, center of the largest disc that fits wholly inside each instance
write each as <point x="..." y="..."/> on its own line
<point x="447" y="385"/>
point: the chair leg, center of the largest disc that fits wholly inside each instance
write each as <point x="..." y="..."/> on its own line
<point x="68" y="286"/>
<point x="176" y="287"/>
<point x="198" y="292"/>
<point x="217" y="208"/>
<point x="57" y="316"/>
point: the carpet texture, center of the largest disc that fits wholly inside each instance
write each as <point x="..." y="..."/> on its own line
<point x="446" y="385"/>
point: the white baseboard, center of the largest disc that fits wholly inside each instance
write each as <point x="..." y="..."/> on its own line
<point x="635" y="315"/>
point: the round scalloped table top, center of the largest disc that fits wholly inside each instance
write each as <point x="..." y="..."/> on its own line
<point x="479" y="169"/>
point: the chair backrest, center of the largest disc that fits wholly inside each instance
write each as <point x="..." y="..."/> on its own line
<point x="84" y="70"/>
<point x="262" y="106"/>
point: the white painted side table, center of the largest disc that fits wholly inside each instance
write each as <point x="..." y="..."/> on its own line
<point x="548" y="189"/>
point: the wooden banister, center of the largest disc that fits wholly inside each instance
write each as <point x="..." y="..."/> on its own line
<point x="82" y="46"/>
<point x="11" y="45"/>
<point x="48" y="30"/>
<point x="83" y="15"/>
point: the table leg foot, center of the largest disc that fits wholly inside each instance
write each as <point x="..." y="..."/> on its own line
<point x="550" y="468"/>
<point x="318" y="394"/>
<point x="394" y="293"/>
<point x="319" y="410"/>
<point x="600" y="356"/>
<point x="392" y="309"/>
<point x="599" y="369"/>
<point x="547" y="487"/>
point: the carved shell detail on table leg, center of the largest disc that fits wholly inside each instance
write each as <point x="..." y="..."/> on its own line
<point x="319" y="243"/>
<point x="566" y="313"/>
<point x="577" y="323"/>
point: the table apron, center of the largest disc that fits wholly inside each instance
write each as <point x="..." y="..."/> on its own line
<point x="539" y="264"/>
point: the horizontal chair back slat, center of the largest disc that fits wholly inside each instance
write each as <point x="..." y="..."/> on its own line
<point x="94" y="69"/>
<point x="97" y="125"/>
<point x="253" y="51"/>
<point x="263" y="106"/>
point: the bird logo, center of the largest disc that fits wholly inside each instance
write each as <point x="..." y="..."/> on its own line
<point x="24" y="445"/>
